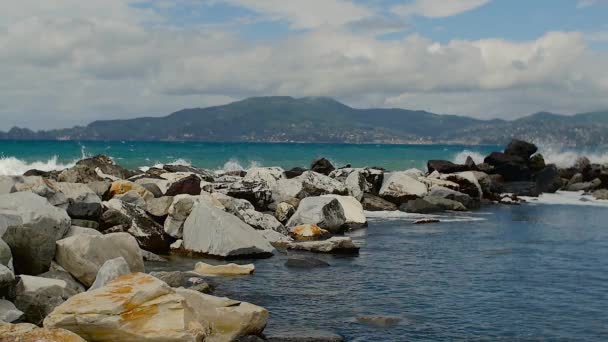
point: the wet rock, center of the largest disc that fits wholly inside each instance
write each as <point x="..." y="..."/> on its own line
<point x="400" y="187"/>
<point x="37" y="296"/>
<point x="26" y="332"/>
<point x="582" y="163"/>
<point x="8" y="313"/>
<point x="375" y="203"/>
<point x="109" y="271"/>
<point x="214" y="232"/>
<point x="294" y="172"/>
<point x="427" y="221"/>
<point x="322" y="166"/>
<point x="431" y="204"/>
<point x="511" y="167"/>
<point x="521" y="149"/>
<point x="299" y="335"/>
<point x="225" y="270"/>
<point x="336" y="244"/>
<point x="84" y="255"/>
<point x="135" y="307"/>
<point x="153" y="188"/>
<point x="444" y="166"/>
<point x="187" y="280"/>
<point x="324" y="212"/>
<point x="548" y="179"/>
<point x="308" y="232"/>
<point x="601" y="194"/>
<point x="379" y="321"/>
<point x="537" y="162"/>
<point x="304" y="262"/>
<point x="31" y="226"/>
<point x="190" y="185"/>
<point x="521" y="188"/>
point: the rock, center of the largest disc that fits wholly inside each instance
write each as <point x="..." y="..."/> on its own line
<point x="470" y="163"/>
<point x="521" y="149"/>
<point x="299" y="335"/>
<point x="37" y="296"/>
<point x="324" y="212"/>
<point x="294" y="172"/>
<point x="375" y="203"/>
<point x="112" y="218"/>
<point x="466" y="200"/>
<point x="79" y="174"/>
<point x="26" y="332"/>
<point x="284" y="211"/>
<point x="257" y="193"/>
<point x="582" y="163"/>
<point x="247" y="213"/>
<point x="149" y="256"/>
<point x="7" y="277"/>
<point x="431" y="204"/>
<point x="75" y="230"/>
<point x="6" y="257"/>
<point x="322" y="166"/>
<point x="157" y="186"/>
<point x="62" y="274"/>
<point x="356" y="184"/>
<point x="83" y="203"/>
<point x="110" y="270"/>
<point x="149" y="234"/>
<point x="336" y="244"/>
<point x="426" y="221"/>
<point x="511" y="167"/>
<point x="134" y="307"/>
<point x="8" y="313"/>
<point x="308" y="232"/>
<point x="601" y="194"/>
<point x="30" y="226"/>
<point x="548" y="179"/>
<point x="37" y="185"/>
<point x="341" y="173"/>
<point x="229" y="269"/>
<point x="187" y="280"/>
<point x="400" y="187"/>
<point x="585" y="186"/>
<point x="84" y="255"/>
<point x="153" y="188"/>
<point x="211" y="231"/>
<point x="190" y="185"/>
<point x="304" y="262"/>
<point x="121" y="187"/>
<point x="537" y="162"/>
<point x="100" y="188"/>
<point x="269" y="175"/>
<point x="577" y="178"/>
<point x="444" y="166"/>
<point x="205" y="175"/>
<point x="275" y="239"/>
<point x="353" y="211"/>
<point x="159" y="207"/>
<point x="178" y="212"/>
<point x="229" y="319"/>
<point x="521" y="188"/>
<point x="379" y="321"/>
<point x="316" y="184"/>
<point x="107" y="166"/>
<point x="132" y="197"/>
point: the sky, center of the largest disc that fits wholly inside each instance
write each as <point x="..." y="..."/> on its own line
<point x="70" y="62"/>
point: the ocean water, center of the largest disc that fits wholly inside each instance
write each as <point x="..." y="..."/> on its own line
<point x="530" y="272"/>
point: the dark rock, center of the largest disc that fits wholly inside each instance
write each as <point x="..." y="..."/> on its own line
<point x="154" y="189"/>
<point x="454" y="195"/>
<point x="444" y="166"/>
<point x="581" y="164"/>
<point x="567" y="173"/>
<point x="205" y="175"/>
<point x="85" y="209"/>
<point x="521" y="188"/>
<point x="601" y="194"/>
<point x="426" y="221"/>
<point x="322" y="166"/>
<point x="465" y="185"/>
<point x="305" y="262"/>
<point x="470" y="163"/>
<point x="431" y="204"/>
<point x="594" y="171"/>
<point x="250" y="338"/>
<point x="256" y="192"/>
<point x="190" y="185"/>
<point x="537" y="162"/>
<point x="85" y="224"/>
<point x="521" y="149"/>
<point x="511" y="167"/>
<point x="375" y="203"/>
<point x="299" y="335"/>
<point x="294" y="172"/>
<point x="585" y="186"/>
<point x="112" y="218"/>
<point x="548" y="179"/>
<point x="491" y="186"/>
<point x="52" y="175"/>
<point x="107" y="166"/>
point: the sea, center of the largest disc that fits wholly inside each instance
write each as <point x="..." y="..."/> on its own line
<point x="531" y="272"/>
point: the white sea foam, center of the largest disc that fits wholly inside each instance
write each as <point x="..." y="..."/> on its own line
<point x="235" y="165"/>
<point x="568" y="158"/>
<point x="11" y="166"/>
<point x="461" y="157"/>
<point x="411" y="217"/>
<point x="159" y="165"/>
<point x="567" y="198"/>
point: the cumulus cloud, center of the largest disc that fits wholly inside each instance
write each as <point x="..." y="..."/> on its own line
<point x="438" y="8"/>
<point x="61" y="67"/>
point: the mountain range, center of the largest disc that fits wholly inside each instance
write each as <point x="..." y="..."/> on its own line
<point x="320" y="119"/>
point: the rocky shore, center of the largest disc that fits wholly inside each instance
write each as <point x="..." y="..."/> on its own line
<point x="74" y="242"/>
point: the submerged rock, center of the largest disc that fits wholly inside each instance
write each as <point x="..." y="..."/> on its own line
<point x="380" y="321"/>
<point x="431" y="204"/>
<point x="305" y="262"/>
<point x="300" y="335"/>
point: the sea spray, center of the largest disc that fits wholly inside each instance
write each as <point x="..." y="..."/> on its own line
<point x="11" y="166"/>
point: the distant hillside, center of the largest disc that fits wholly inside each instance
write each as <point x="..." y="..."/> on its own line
<point x="318" y="119"/>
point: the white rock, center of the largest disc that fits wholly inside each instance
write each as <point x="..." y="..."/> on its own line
<point x="8" y="312"/>
<point x="75" y="230"/>
<point x="400" y="186"/>
<point x="353" y="210"/>
<point x="110" y="270"/>
<point x="324" y="212"/>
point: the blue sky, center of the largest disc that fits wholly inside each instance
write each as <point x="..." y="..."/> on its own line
<point x="70" y="62"/>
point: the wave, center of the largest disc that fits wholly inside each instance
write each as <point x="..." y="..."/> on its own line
<point x="235" y="165"/>
<point x="11" y="166"/>
<point x="461" y="157"/>
<point x="567" y="198"/>
<point x="412" y="217"/>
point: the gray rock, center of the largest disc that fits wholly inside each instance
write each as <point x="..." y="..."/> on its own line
<point x="110" y="270"/>
<point x="132" y="197"/>
<point x="521" y="188"/>
<point x="336" y="245"/>
<point x="64" y="275"/>
<point x="379" y="321"/>
<point x="375" y="203"/>
<point x="212" y="231"/>
<point x="305" y="262"/>
<point x="585" y="186"/>
<point x="245" y="211"/>
<point x="159" y="207"/>
<point x="6" y="257"/>
<point x="300" y="335"/>
<point x="601" y="194"/>
<point x="431" y="204"/>
<point x="153" y="188"/>
<point x="577" y="178"/>
<point x="548" y="179"/>
<point x="40" y="186"/>
<point x="324" y="212"/>
<point x="100" y="188"/>
<point x="83" y="203"/>
<point x="37" y="296"/>
<point x="453" y="195"/>
<point x="353" y="211"/>
<point x="75" y="230"/>
<point x="7" y="277"/>
<point x="256" y="192"/>
<point x="31" y="226"/>
<point x="187" y="280"/>
<point x="400" y="187"/>
<point x="149" y="256"/>
<point x="8" y="312"/>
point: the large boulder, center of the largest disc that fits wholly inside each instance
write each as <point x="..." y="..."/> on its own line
<point x="294" y="172"/>
<point x="245" y="211"/>
<point x="325" y="212"/>
<point x="134" y="307"/>
<point x="38" y="185"/>
<point x="308" y="184"/>
<point x="205" y="175"/>
<point x="585" y="186"/>
<point x="109" y="271"/>
<point x="214" y="232"/>
<point x="322" y="166"/>
<point x="257" y="192"/>
<point x="444" y="166"/>
<point x="468" y="183"/>
<point x="179" y="211"/>
<point x="229" y="319"/>
<point x="375" y="203"/>
<point x="548" y="179"/>
<point x="84" y="255"/>
<point x="400" y="187"/>
<point x="26" y="332"/>
<point x="512" y="167"/>
<point x="431" y="204"/>
<point x="362" y="181"/>
<point x="104" y="165"/>
<point x="37" y="296"/>
<point x="31" y="226"/>
<point x="353" y="210"/>
<point x="521" y="149"/>
<point x="159" y="207"/>
<point x="149" y="234"/>
<point x="270" y="175"/>
<point x="83" y="202"/>
<point x="466" y="200"/>
<point x="189" y="185"/>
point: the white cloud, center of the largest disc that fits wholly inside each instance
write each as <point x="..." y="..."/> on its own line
<point x="60" y="68"/>
<point x="438" y="8"/>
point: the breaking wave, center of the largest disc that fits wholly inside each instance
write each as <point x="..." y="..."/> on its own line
<point x="235" y="165"/>
<point x="11" y="166"/>
<point x="461" y="157"/>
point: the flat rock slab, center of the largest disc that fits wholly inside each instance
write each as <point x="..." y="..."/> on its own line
<point x="226" y="270"/>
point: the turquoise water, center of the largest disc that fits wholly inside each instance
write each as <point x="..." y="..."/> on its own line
<point x="21" y="155"/>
